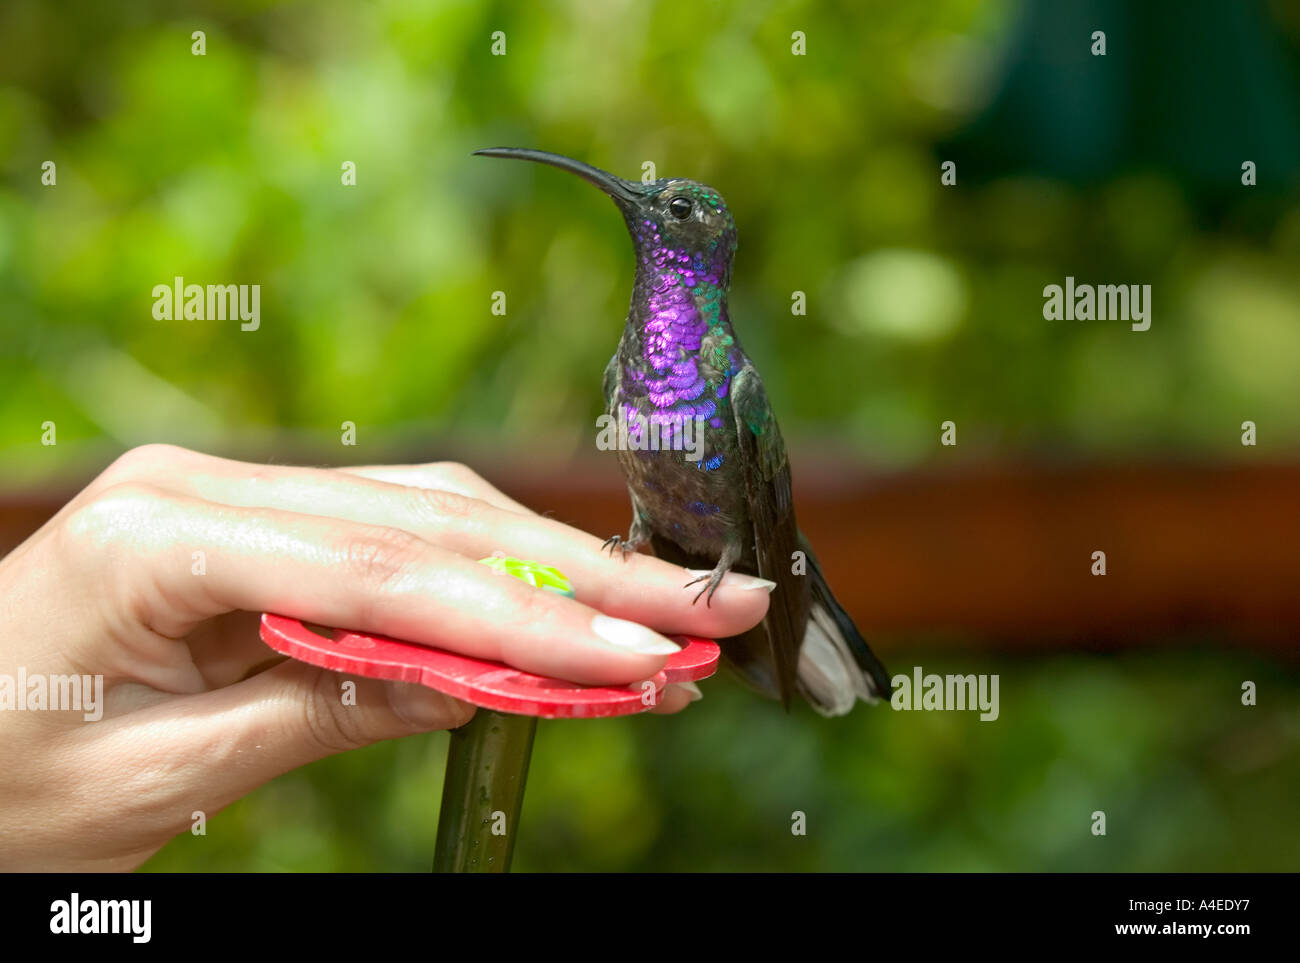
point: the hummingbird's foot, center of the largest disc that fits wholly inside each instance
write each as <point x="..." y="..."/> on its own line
<point x="730" y="555"/>
<point x="714" y="579"/>
<point x="619" y="542"/>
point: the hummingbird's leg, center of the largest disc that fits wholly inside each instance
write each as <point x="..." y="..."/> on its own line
<point x="627" y="545"/>
<point x="729" y="556"/>
<point x="638" y="535"/>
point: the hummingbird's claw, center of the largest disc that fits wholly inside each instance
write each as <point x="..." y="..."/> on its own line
<point x="714" y="578"/>
<point x="616" y="541"/>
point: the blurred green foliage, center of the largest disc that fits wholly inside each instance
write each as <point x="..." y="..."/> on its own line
<point x="1189" y="779"/>
<point x="924" y="301"/>
<point x="226" y="168"/>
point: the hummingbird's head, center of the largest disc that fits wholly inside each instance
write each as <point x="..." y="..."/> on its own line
<point x="674" y="215"/>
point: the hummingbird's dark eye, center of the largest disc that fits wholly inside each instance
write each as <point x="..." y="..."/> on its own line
<point x="680" y="208"/>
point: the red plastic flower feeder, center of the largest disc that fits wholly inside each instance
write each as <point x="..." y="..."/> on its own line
<point x="487" y="761"/>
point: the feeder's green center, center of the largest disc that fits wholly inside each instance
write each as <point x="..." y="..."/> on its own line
<point x="536" y="574"/>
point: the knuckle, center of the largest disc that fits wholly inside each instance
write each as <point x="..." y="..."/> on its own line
<point x="327" y="722"/>
<point x="533" y="607"/>
<point x="258" y="474"/>
<point x="381" y="558"/>
<point x="143" y="461"/>
<point x="455" y="472"/>
<point x="117" y="513"/>
<point x="533" y="614"/>
<point x="433" y="504"/>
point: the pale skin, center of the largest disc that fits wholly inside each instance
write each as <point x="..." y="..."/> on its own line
<point x="198" y="711"/>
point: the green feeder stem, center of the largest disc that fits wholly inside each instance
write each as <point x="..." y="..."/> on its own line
<point x="487" y="766"/>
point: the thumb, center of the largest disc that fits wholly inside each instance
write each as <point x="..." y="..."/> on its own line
<point x="202" y="752"/>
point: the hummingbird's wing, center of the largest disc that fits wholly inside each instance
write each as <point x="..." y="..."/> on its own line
<point x="766" y="471"/>
<point x="610" y="380"/>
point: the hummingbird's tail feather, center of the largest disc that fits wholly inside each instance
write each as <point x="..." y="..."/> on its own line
<point x="829" y="675"/>
<point x="748" y="654"/>
<point x="836" y="666"/>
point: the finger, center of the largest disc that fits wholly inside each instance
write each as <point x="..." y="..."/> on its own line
<point x="443" y="476"/>
<point x="229" y="648"/>
<point x="677" y="697"/>
<point x="639" y="588"/>
<point x="169" y="466"/>
<point x="201" y="752"/>
<point x="137" y="543"/>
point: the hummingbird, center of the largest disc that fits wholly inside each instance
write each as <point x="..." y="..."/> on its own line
<point x="723" y="502"/>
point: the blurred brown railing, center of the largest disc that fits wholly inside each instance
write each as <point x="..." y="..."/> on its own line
<point x="1002" y="555"/>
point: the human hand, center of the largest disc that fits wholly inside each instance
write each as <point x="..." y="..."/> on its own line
<point x="154" y="575"/>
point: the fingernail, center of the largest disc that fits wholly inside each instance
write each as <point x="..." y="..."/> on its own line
<point x="747" y="583"/>
<point x="737" y="580"/>
<point x="416" y="705"/>
<point x="631" y="636"/>
<point x="691" y="689"/>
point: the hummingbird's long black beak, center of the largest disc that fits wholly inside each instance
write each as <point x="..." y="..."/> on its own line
<point x="617" y="188"/>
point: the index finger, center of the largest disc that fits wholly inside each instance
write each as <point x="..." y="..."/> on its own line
<point x="137" y="544"/>
<point x="640" y="588"/>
